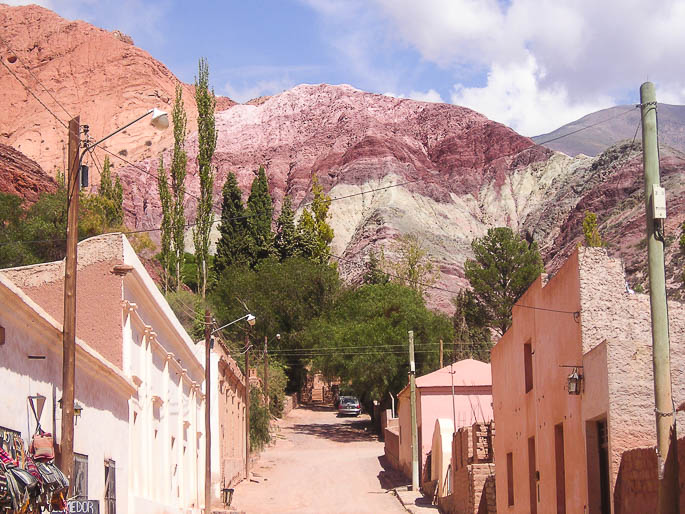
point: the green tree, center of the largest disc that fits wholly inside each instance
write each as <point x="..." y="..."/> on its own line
<point x="179" y="162"/>
<point x="286" y="241"/>
<point x="314" y="232"/>
<point x="413" y="268"/>
<point x="231" y="249"/>
<point x="358" y="339"/>
<point x="260" y="213"/>
<point x="206" y="141"/>
<point x="374" y="270"/>
<point x="503" y="267"/>
<point x="285" y="296"/>
<point x="112" y="193"/>
<point x="470" y="322"/>
<point x="165" y="255"/>
<point x="591" y="231"/>
<point x="259" y="420"/>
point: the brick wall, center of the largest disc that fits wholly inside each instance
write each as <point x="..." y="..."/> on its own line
<point x="636" y="485"/>
<point x="473" y="491"/>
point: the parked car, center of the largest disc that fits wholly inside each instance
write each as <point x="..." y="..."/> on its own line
<point x="349" y="405"/>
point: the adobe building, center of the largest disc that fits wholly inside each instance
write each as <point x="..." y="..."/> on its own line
<point x="31" y="369"/>
<point x="124" y="318"/>
<point x="472" y="401"/>
<point x="557" y="451"/>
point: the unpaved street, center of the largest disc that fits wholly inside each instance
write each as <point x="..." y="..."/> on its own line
<point x="320" y="464"/>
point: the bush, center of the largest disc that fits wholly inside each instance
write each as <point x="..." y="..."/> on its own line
<point x="259" y="420"/>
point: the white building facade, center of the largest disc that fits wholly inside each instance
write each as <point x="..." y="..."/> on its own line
<point x="125" y="318"/>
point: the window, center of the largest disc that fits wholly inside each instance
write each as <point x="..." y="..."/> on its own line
<point x="561" y="471"/>
<point x="528" y="366"/>
<point x="110" y="487"/>
<point x="510" y="478"/>
<point x="80" y="476"/>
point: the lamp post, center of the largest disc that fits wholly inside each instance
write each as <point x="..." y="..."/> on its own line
<point x="208" y="418"/>
<point x="159" y="120"/>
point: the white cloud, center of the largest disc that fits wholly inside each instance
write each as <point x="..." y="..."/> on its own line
<point x="513" y="96"/>
<point x="533" y="64"/>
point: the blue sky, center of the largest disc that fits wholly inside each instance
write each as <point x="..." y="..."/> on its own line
<point x="531" y="64"/>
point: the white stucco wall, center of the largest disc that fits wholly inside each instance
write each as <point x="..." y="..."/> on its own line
<point x="101" y="432"/>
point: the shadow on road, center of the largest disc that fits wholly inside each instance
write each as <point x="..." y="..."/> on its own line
<point x="318" y="407"/>
<point x="388" y="477"/>
<point x="339" y="432"/>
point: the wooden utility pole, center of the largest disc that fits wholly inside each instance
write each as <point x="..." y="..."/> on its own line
<point x="441" y="354"/>
<point x="66" y="453"/>
<point x="247" y="406"/>
<point x="208" y="412"/>
<point x="266" y="373"/>
<point x="666" y="437"/>
<point x="414" y="431"/>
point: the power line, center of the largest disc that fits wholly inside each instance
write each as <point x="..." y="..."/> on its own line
<point x="28" y="89"/>
<point x="623" y="113"/>
<point x="34" y="77"/>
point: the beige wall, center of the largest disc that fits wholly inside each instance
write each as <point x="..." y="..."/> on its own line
<point x="615" y="352"/>
<point x="555" y="339"/>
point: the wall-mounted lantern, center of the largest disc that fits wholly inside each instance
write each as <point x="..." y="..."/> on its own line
<point x="78" y="409"/>
<point x="575" y="382"/>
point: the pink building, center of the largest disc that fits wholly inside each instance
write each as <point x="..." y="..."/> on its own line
<point x="561" y="452"/>
<point x="472" y="402"/>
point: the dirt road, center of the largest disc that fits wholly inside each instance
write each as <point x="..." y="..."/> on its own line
<point x="320" y="464"/>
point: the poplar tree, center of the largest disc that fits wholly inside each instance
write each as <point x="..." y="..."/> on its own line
<point x="167" y="215"/>
<point x="286" y="242"/>
<point x="260" y="212"/>
<point x="314" y="231"/>
<point x="179" y="161"/>
<point x="206" y="141"/>
<point x="112" y="194"/>
<point x="231" y="249"/>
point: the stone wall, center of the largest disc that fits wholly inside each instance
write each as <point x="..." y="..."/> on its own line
<point x="636" y="486"/>
<point x="289" y="403"/>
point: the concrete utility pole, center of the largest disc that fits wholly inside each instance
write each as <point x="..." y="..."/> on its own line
<point x="66" y="454"/>
<point x="441" y="354"/>
<point x="247" y="405"/>
<point x="414" y="431"/>
<point x="266" y="373"/>
<point x="655" y="204"/>
<point x="208" y="413"/>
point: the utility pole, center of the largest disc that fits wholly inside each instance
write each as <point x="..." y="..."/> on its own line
<point x="266" y="374"/>
<point x="666" y="437"/>
<point x="247" y="406"/>
<point x="414" y="432"/>
<point x="441" y="354"/>
<point x="66" y="460"/>
<point x="208" y="413"/>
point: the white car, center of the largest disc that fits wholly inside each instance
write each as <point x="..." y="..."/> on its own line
<point x="349" y="405"/>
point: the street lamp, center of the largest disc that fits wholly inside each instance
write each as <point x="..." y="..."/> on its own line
<point x="208" y="419"/>
<point x="159" y="120"/>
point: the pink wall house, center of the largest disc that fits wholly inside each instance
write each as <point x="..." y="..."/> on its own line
<point x="472" y="402"/>
<point x="556" y="452"/>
